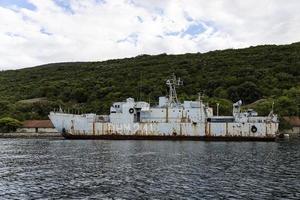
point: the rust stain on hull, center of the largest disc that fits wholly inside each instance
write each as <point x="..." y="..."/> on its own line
<point x="207" y="129"/>
<point x="93" y="128"/>
<point x="226" y="129"/>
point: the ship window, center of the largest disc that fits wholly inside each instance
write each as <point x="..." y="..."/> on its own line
<point x="179" y="110"/>
<point x="188" y="110"/>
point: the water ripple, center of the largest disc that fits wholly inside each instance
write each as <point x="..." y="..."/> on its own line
<point x="64" y="169"/>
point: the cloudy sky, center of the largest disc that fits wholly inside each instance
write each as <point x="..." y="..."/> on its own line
<point x="34" y="32"/>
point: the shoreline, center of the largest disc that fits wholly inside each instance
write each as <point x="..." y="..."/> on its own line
<point x="54" y="135"/>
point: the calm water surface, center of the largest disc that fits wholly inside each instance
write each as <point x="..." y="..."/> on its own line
<point x="55" y="169"/>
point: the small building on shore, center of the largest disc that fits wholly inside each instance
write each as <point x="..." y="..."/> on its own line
<point x="37" y="126"/>
<point x="294" y="121"/>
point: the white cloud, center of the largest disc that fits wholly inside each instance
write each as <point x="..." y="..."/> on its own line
<point x="93" y="30"/>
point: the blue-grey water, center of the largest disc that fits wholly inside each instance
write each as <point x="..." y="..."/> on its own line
<point x="65" y="169"/>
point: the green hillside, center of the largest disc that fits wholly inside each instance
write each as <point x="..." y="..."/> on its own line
<point x="257" y="75"/>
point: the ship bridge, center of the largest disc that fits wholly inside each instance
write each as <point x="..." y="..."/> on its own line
<point x="168" y="110"/>
<point x="131" y="111"/>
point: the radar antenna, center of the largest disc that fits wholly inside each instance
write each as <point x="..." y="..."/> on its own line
<point x="172" y="83"/>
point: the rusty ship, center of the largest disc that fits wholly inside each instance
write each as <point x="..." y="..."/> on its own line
<point x="170" y="120"/>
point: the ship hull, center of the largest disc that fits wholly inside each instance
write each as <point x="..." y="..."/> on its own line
<point x="167" y="137"/>
<point x="81" y="127"/>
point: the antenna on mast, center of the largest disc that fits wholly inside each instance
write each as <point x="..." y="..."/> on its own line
<point x="272" y="110"/>
<point x="172" y="83"/>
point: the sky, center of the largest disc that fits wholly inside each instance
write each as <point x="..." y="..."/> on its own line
<point x="35" y="32"/>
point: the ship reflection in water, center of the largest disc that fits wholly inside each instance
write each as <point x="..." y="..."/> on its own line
<point x="67" y="169"/>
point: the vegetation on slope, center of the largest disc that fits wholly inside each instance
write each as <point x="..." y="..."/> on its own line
<point x="8" y="124"/>
<point x="258" y="75"/>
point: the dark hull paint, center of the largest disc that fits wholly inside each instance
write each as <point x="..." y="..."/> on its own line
<point x="140" y="137"/>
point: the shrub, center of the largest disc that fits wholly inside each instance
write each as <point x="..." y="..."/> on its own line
<point x="8" y="124"/>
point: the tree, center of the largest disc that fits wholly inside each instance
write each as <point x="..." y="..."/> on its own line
<point x="285" y="106"/>
<point x="5" y="108"/>
<point x="248" y="92"/>
<point x="8" y="124"/>
<point x="80" y="95"/>
<point x="225" y="106"/>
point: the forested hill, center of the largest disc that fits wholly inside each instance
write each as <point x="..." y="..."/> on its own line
<point x="257" y="75"/>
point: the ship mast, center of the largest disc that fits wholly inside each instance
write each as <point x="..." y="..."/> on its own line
<point x="172" y="83"/>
